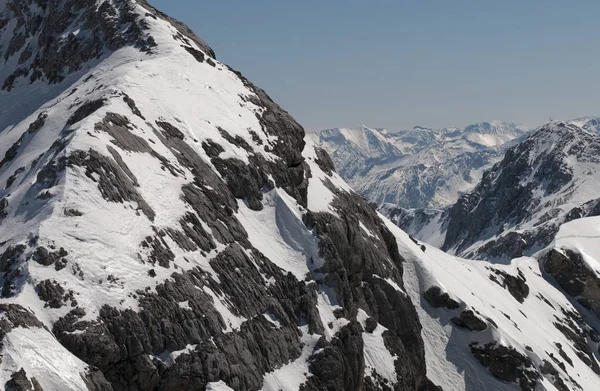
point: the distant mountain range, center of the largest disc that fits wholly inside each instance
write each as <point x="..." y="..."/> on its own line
<point x="420" y="167"/>
<point x="491" y="190"/>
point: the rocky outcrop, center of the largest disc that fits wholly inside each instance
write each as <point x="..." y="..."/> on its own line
<point x="439" y="299"/>
<point x="469" y="320"/>
<point x="507" y="364"/>
<point x="573" y="275"/>
<point x="40" y="23"/>
<point x="19" y="382"/>
<point x="516" y="285"/>
<point x="357" y="267"/>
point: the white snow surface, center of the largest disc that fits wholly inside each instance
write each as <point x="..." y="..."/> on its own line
<point x="521" y="326"/>
<point x="583" y="236"/>
<point x="42" y="357"/>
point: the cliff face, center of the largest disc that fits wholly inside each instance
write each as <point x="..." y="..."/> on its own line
<point x="541" y="183"/>
<point x="164" y="225"/>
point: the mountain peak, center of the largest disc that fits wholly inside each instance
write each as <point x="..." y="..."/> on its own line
<point x="165" y="225"/>
<point x="48" y="40"/>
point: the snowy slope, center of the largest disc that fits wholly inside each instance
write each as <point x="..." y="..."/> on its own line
<point x="420" y="167"/>
<point x="540" y="329"/>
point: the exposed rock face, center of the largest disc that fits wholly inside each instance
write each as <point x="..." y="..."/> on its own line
<point x="358" y="268"/>
<point x="507" y="364"/>
<point x="521" y="202"/>
<point x="573" y="275"/>
<point x="469" y="320"/>
<point x="166" y="223"/>
<point x="516" y="285"/>
<point x="36" y="25"/>
<point x="437" y="299"/>
<point x="20" y="382"/>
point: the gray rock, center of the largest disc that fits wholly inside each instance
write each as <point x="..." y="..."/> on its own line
<point x="19" y="382"/>
<point x="340" y="364"/>
<point x="507" y="364"/>
<point x="51" y="292"/>
<point x="85" y="110"/>
<point x="548" y="369"/>
<point x="115" y="184"/>
<point x="109" y="26"/>
<point x="47" y="258"/>
<point x="3" y="207"/>
<point x="516" y="285"/>
<point x="437" y="299"/>
<point x="570" y="271"/>
<point x="469" y="320"/>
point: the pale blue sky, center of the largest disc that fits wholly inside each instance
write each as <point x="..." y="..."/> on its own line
<point x="401" y="63"/>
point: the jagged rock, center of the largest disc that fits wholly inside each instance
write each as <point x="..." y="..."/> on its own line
<point x="134" y="109"/>
<point x="113" y="25"/>
<point x="115" y="184"/>
<point x="95" y="381"/>
<point x="51" y="292"/>
<point x="437" y="299"/>
<point x="517" y="286"/>
<point x="19" y="382"/>
<point x="13" y="177"/>
<point x="348" y="253"/>
<point x="324" y="161"/>
<point x="548" y="369"/>
<point x="197" y="54"/>
<point x="577" y="330"/>
<point x="370" y="325"/>
<point x="570" y="271"/>
<point x="73" y="213"/>
<point x="340" y="364"/>
<point x="469" y="320"/>
<point x="212" y="149"/>
<point x="15" y="315"/>
<point x="507" y="364"/>
<point x="87" y="109"/>
<point x="3" y="207"/>
<point x="47" y="258"/>
<point x="245" y="181"/>
<point x="10" y="256"/>
<point x="38" y="123"/>
<point x="11" y="153"/>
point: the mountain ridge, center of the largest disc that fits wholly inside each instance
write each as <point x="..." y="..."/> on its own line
<point x="419" y="167"/>
<point x="166" y="226"/>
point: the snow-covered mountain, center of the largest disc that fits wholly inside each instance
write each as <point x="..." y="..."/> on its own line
<point x="420" y="167"/>
<point x="547" y="180"/>
<point x="527" y="305"/>
<point x="164" y="226"/>
<point x="531" y="322"/>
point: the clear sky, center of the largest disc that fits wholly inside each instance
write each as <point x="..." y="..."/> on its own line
<point x="400" y="63"/>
